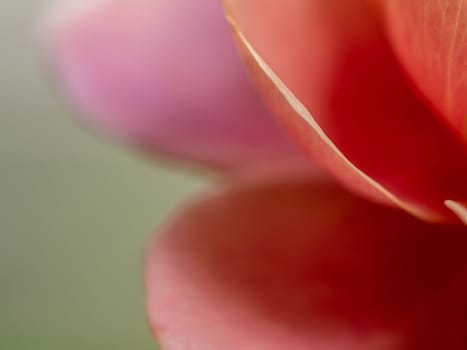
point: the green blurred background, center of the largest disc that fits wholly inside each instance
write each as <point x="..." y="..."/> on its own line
<point x="75" y="212"/>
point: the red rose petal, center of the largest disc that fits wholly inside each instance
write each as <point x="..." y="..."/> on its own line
<point x="430" y="38"/>
<point x="329" y="71"/>
<point x="288" y="263"/>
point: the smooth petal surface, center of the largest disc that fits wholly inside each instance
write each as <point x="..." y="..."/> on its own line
<point x="430" y="37"/>
<point x="165" y="75"/>
<point x="328" y="69"/>
<point x="288" y="263"/>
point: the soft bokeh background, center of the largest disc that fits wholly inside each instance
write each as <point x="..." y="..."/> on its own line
<point x="75" y="212"/>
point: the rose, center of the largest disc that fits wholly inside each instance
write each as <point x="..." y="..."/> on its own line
<point x="276" y="257"/>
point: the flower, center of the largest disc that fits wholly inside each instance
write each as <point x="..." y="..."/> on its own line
<point x="276" y="256"/>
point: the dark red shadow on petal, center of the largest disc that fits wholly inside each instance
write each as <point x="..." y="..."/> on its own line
<point x="294" y="264"/>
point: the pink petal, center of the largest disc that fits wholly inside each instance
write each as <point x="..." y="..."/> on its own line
<point x="164" y="75"/>
<point x="290" y="263"/>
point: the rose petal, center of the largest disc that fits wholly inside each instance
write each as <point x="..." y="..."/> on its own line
<point x="165" y="75"/>
<point x="327" y="68"/>
<point x="430" y="38"/>
<point x="288" y="263"/>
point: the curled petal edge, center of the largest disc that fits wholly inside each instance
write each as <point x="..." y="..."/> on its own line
<point x="410" y="207"/>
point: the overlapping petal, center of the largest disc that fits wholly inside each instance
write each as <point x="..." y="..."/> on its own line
<point x="165" y="75"/>
<point x="329" y="70"/>
<point x="285" y="262"/>
<point x="430" y="37"/>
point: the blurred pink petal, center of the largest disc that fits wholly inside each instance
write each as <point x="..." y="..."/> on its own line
<point x="289" y="263"/>
<point x="164" y="75"/>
